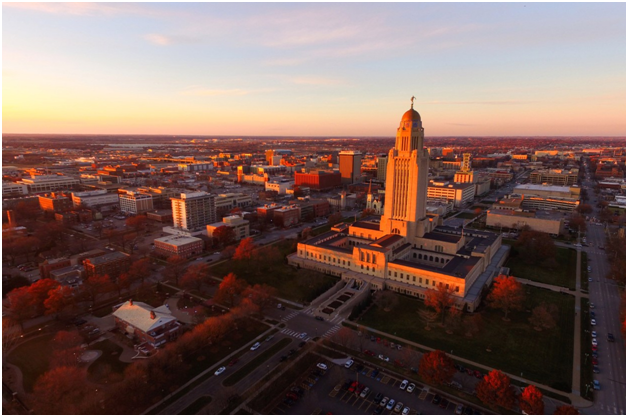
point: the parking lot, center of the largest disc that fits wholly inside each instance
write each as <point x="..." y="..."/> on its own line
<point x="335" y="392"/>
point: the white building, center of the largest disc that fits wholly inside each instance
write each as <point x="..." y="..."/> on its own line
<point x="193" y="211"/>
<point x="135" y="202"/>
<point x="48" y="183"/>
<point x="95" y="198"/>
<point x="458" y="193"/>
<point x="240" y="226"/>
<point x="13" y="189"/>
<point x="279" y="185"/>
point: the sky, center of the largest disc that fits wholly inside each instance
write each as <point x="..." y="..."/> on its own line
<point x="314" y="69"/>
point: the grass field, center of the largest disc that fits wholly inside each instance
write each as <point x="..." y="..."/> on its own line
<point x="296" y="285"/>
<point x="563" y="275"/>
<point x="515" y="347"/>
<point x="586" y="367"/>
<point x="584" y="272"/>
<point x="107" y="368"/>
<point x="33" y="359"/>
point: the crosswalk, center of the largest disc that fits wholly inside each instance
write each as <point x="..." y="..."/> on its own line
<point x="290" y="315"/>
<point x="296" y="334"/>
<point x="331" y="331"/>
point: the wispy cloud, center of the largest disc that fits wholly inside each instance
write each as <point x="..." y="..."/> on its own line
<point x="158" y="39"/>
<point x="315" y="80"/>
<point x="79" y="9"/>
<point x="197" y="91"/>
<point x="511" y="102"/>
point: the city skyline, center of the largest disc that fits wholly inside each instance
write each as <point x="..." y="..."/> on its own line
<point x="314" y="69"/>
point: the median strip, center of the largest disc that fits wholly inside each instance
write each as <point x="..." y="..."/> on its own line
<point x="256" y="362"/>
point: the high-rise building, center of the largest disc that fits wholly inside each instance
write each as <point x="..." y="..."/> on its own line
<point x="350" y="166"/>
<point x="135" y="202"/>
<point x="382" y="164"/>
<point x="465" y="174"/>
<point x="193" y="211"/>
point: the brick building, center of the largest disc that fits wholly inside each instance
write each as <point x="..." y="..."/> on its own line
<point x="318" y="180"/>
<point x="183" y="246"/>
<point x="112" y="264"/>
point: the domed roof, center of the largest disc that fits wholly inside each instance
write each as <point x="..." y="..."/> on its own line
<point x="411" y="115"/>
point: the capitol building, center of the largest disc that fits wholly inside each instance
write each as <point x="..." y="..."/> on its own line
<point x="407" y="250"/>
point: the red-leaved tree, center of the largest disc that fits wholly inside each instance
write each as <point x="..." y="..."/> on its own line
<point x="60" y="391"/>
<point x="436" y="367"/>
<point x="440" y="299"/>
<point x="20" y="305"/>
<point x="566" y="410"/>
<point x="245" y="249"/>
<point x="507" y="294"/>
<point x="229" y="289"/>
<point x="531" y="401"/>
<point x="495" y="390"/>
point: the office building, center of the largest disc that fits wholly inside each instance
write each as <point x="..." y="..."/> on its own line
<point x="193" y="211"/>
<point x="350" y="163"/>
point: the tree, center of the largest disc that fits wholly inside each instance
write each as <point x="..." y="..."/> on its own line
<point x="544" y="316"/>
<point x="262" y="296"/>
<point x="507" y="294"/>
<point x="97" y="285"/>
<point x="440" y="299"/>
<point x="428" y="317"/>
<point x="20" y="305"/>
<point x="577" y="222"/>
<point x="229" y="289"/>
<point x="195" y="277"/>
<point x="495" y="390"/>
<point x="228" y="252"/>
<point x="59" y="299"/>
<point x="536" y="246"/>
<point x="436" y="367"/>
<point x="39" y="292"/>
<point x="175" y="270"/>
<point x="334" y="218"/>
<point x="566" y="410"/>
<point x="60" y="391"/>
<point x="244" y="251"/>
<point x="137" y="222"/>
<point x="305" y="233"/>
<point x="224" y="235"/>
<point x="584" y="209"/>
<point x="531" y="401"/>
<point x="385" y="299"/>
<point x="266" y="258"/>
<point x="367" y="212"/>
<point x="453" y="319"/>
<point x="66" y="348"/>
<point x="139" y="270"/>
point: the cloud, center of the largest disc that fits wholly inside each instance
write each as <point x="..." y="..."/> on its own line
<point x="197" y="91"/>
<point x="512" y="102"/>
<point x="78" y="9"/>
<point x="314" y="80"/>
<point x="158" y="39"/>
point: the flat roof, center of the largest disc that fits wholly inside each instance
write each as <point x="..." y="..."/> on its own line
<point x="549" y="188"/>
<point x="179" y="240"/>
<point x="107" y="258"/>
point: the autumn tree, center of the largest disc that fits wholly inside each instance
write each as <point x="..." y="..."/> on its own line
<point x="495" y="390"/>
<point x="536" y="247"/>
<point x="59" y="299"/>
<point x="97" y="285"/>
<point x="453" y="319"/>
<point x="429" y="317"/>
<point x="39" y="292"/>
<point x="175" y="269"/>
<point x="228" y="252"/>
<point x="577" y="222"/>
<point x="584" y="209"/>
<point x="66" y="348"/>
<point x="266" y="258"/>
<point x="385" y="300"/>
<point x="229" y="289"/>
<point x="60" y="391"/>
<point x="531" y="401"/>
<point x="195" y="277"/>
<point x="224" y="235"/>
<point x="436" y="367"/>
<point x="544" y="316"/>
<point x="334" y="218"/>
<point x="440" y="299"/>
<point x="306" y="233"/>
<point x="139" y="270"/>
<point x="244" y="251"/>
<point x="367" y="212"/>
<point x="20" y="305"/>
<point x="566" y="410"/>
<point x="263" y="296"/>
<point x="507" y="294"/>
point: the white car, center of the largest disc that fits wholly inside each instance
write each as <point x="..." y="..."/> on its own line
<point x="594" y="334"/>
<point x="411" y="387"/>
<point x="593" y="322"/>
<point x="302" y="335"/>
<point x="365" y="392"/>
<point x="404" y="384"/>
<point x="349" y="364"/>
<point x="594" y="341"/>
<point x="406" y="410"/>
<point x="220" y="370"/>
<point x="390" y="404"/>
<point x="255" y="346"/>
<point x="384" y="358"/>
<point x="321" y="366"/>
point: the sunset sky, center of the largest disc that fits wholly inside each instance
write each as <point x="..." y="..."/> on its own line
<point x="303" y="69"/>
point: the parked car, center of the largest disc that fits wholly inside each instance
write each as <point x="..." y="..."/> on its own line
<point x="443" y="403"/>
<point x="390" y="404"/>
<point x="398" y="407"/>
<point x="403" y="385"/>
<point x="593" y="322"/>
<point x="377" y="399"/>
<point x="594" y="341"/>
<point x="411" y="388"/>
<point x="384" y="358"/>
<point x="384" y="401"/>
<point x="594" y="334"/>
<point x="322" y="366"/>
<point x="610" y="337"/>
<point x="349" y="364"/>
<point x="596" y="369"/>
<point x="596" y="385"/>
<point x="436" y="400"/>
<point x="365" y="392"/>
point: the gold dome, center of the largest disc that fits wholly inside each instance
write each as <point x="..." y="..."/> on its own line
<point x="411" y="115"/>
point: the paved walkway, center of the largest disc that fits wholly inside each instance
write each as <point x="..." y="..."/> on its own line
<point x="577" y="331"/>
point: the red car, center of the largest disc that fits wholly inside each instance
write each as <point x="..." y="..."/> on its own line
<point x="369" y="353"/>
<point x="478" y="375"/>
<point x="353" y="386"/>
<point x="233" y="362"/>
<point x="594" y="361"/>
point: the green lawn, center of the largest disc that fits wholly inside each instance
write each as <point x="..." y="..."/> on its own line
<point x="108" y="367"/>
<point x="297" y="285"/>
<point x="33" y="359"/>
<point x="584" y="273"/>
<point x="515" y="347"/>
<point x="564" y="274"/>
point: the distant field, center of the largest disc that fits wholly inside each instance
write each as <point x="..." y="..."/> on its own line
<point x="563" y="275"/>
